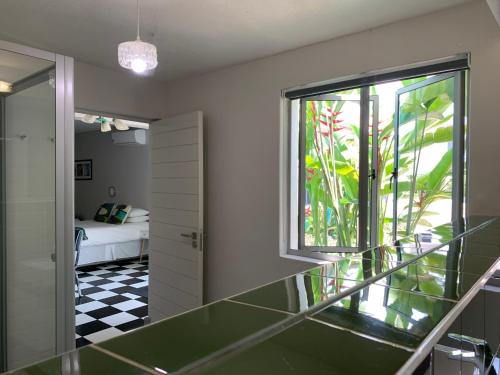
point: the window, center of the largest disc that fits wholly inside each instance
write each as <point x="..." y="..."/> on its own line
<point x="370" y="160"/>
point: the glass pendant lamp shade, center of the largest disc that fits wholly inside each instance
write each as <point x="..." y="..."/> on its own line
<point x="137" y="55"/>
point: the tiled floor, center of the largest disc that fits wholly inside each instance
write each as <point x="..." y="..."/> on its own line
<point x="114" y="300"/>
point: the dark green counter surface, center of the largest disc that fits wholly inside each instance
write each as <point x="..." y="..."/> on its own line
<point x="365" y="314"/>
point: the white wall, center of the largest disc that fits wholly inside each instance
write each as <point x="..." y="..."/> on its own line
<point x="241" y="107"/>
<point x="127" y="168"/>
<point x="116" y="92"/>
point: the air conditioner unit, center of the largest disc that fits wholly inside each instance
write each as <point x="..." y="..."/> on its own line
<point x="129" y="138"/>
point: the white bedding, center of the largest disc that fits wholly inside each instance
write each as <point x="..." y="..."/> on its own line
<point x="111" y="252"/>
<point x="103" y="234"/>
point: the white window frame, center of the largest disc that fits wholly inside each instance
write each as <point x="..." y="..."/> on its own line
<point x="289" y="176"/>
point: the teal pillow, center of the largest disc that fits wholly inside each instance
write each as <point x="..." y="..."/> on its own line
<point x="120" y="214"/>
<point x="104" y="212"/>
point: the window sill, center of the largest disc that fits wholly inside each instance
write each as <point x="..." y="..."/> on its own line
<point x="310" y="259"/>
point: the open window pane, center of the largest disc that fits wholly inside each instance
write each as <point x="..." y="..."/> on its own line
<point x="424" y="155"/>
<point x="331" y="137"/>
<point x="365" y="172"/>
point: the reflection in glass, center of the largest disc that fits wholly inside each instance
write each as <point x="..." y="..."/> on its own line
<point x="28" y="210"/>
<point x="297" y="293"/>
<point x="394" y="315"/>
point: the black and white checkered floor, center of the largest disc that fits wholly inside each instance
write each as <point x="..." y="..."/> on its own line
<point x="114" y="300"/>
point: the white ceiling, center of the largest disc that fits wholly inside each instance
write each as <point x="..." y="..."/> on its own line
<point x="14" y="66"/>
<point x="195" y="36"/>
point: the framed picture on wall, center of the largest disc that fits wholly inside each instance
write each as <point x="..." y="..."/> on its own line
<point x="83" y="169"/>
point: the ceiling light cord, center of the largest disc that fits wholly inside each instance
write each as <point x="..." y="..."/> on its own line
<point x="138" y="21"/>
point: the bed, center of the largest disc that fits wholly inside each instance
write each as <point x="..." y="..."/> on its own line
<point x="110" y="242"/>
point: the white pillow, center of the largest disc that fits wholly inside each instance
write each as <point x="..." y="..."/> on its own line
<point x="137" y="219"/>
<point x="138" y="212"/>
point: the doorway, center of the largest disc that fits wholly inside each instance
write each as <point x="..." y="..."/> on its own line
<point x="112" y="225"/>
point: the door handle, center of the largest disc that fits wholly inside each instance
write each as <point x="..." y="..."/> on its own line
<point x="394" y="175"/>
<point x="193" y="236"/>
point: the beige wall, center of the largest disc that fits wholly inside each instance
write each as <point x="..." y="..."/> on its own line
<point x="241" y="107"/>
<point x="116" y="92"/>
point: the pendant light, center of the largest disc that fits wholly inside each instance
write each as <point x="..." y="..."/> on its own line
<point x="105" y="125"/>
<point x="137" y="55"/>
<point x="120" y="124"/>
<point x="89" y="119"/>
<point x="5" y="87"/>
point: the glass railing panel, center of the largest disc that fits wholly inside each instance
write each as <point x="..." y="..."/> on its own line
<point x="173" y="343"/>
<point x="458" y="260"/>
<point x="311" y="347"/>
<point x="326" y="318"/>
<point x="296" y="293"/>
<point x="393" y="315"/>
<point x="86" y="361"/>
<point x="355" y="268"/>
<point x="395" y="254"/>
<point x="430" y="281"/>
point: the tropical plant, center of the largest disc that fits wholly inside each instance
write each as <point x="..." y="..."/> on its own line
<point x="332" y="159"/>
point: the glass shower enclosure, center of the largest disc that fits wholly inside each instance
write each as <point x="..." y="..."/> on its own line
<point x="36" y="300"/>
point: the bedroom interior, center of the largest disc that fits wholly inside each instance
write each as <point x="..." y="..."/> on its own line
<point x="112" y="206"/>
<point x="230" y="188"/>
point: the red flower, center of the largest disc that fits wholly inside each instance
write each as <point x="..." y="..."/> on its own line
<point x="308" y="210"/>
<point x="310" y="172"/>
<point x="324" y="128"/>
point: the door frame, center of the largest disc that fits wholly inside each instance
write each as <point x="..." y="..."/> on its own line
<point x="458" y="142"/>
<point x="64" y="209"/>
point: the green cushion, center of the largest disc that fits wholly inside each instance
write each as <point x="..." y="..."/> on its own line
<point x="104" y="212"/>
<point x="120" y="214"/>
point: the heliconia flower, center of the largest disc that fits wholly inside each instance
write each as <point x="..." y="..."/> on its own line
<point x="324" y="128"/>
<point x="333" y="114"/>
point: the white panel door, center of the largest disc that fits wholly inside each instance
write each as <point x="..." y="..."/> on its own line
<point x="176" y="224"/>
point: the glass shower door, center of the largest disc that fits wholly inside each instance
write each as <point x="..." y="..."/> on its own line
<point x="28" y="184"/>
